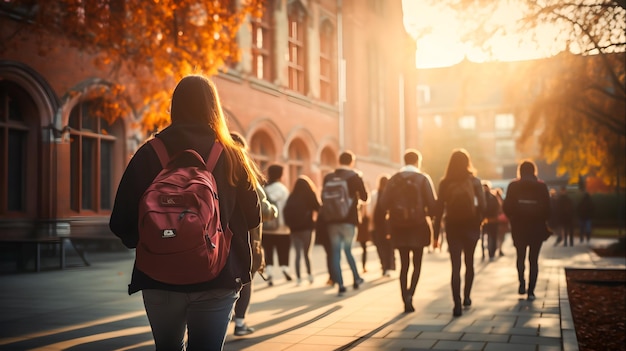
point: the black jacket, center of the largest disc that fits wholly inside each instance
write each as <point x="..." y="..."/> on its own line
<point x="298" y="210"/>
<point x="524" y="230"/>
<point x="239" y="207"/>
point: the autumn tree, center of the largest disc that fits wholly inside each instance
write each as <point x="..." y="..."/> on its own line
<point x="576" y="98"/>
<point x="151" y="42"/>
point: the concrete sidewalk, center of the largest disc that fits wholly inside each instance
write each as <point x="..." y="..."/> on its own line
<point x="87" y="308"/>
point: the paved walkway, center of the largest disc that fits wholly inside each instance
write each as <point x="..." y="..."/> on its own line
<point x="86" y="308"/>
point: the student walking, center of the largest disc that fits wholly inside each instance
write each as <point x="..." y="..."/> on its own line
<point x="462" y="199"/>
<point x="585" y="210"/>
<point x="490" y="223"/>
<point x="409" y="199"/>
<point x="343" y="187"/>
<point x="299" y="211"/>
<point x="380" y="232"/>
<point x="203" y="309"/>
<point x="527" y="204"/>
<point x="565" y="215"/>
<point x="275" y="233"/>
<point x="268" y="212"/>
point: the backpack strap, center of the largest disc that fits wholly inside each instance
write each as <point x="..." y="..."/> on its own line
<point x="215" y="153"/>
<point x="161" y="151"/>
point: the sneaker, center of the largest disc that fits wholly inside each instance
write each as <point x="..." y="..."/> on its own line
<point x="243" y="330"/>
<point x="342" y="290"/>
<point x="467" y="302"/>
<point x="298" y="281"/>
<point x="531" y="297"/>
<point x="310" y="278"/>
<point x="358" y="283"/>
<point x="270" y="282"/>
<point x="457" y="311"/>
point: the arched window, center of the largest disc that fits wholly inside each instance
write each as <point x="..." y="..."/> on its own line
<point x="18" y="151"/>
<point x="296" y="63"/>
<point x="92" y="142"/>
<point x="299" y="160"/>
<point x="262" y="150"/>
<point x="328" y="162"/>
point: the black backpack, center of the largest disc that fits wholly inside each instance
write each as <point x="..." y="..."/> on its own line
<point x="406" y="208"/>
<point x="461" y="201"/>
<point x="493" y="206"/>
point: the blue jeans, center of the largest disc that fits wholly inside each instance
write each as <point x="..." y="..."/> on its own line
<point x="341" y="238"/>
<point x="204" y="314"/>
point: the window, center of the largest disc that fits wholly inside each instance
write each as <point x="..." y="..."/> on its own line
<point x="467" y="122"/>
<point x="327" y="63"/>
<point x="262" y="150"/>
<point x="296" y="48"/>
<point x="91" y="159"/>
<point x="262" y="44"/>
<point x="505" y="149"/>
<point x="505" y="122"/>
<point x="423" y="94"/>
<point x="15" y="149"/>
<point x="298" y="160"/>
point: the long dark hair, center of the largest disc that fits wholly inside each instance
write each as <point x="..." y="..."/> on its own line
<point x="303" y="185"/>
<point x="459" y="166"/>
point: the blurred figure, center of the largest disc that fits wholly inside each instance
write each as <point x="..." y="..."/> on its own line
<point x="565" y="215"/>
<point x="503" y="223"/>
<point x="381" y="235"/>
<point x="490" y="223"/>
<point x="527" y="204"/>
<point x="299" y="212"/>
<point x="363" y="234"/>
<point x="268" y="212"/>
<point x="462" y="221"/>
<point x="276" y="239"/>
<point x="409" y="199"/>
<point x="341" y="232"/>
<point x="553" y="222"/>
<point x="585" y="210"/>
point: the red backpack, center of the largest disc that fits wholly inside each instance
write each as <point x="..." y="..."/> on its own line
<point x="181" y="238"/>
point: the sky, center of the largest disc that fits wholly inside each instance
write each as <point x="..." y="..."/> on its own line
<point x="443" y="47"/>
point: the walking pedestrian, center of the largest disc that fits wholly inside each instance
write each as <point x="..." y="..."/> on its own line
<point x="565" y="214"/>
<point x="268" y="212"/>
<point x="300" y="208"/>
<point x="503" y="223"/>
<point x="527" y="204"/>
<point x="276" y="237"/>
<point x="409" y="199"/>
<point x="585" y="211"/>
<point x="462" y="199"/>
<point x="201" y="310"/>
<point x="341" y="229"/>
<point x="363" y="234"/>
<point x="553" y="221"/>
<point x="490" y="223"/>
<point x="381" y="235"/>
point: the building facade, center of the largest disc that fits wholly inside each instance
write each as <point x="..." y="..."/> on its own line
<point x="316" y="77"/>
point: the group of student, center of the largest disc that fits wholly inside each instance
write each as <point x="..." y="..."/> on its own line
<point x="408" y="215"/>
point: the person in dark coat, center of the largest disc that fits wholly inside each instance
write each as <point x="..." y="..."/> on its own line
<point x="462" y="234"/>
<point x="380" y="232"/>
<point x="565" y="215"/>
<point x="527" y="205"/>
<point x="585" y="210"/>
<point x="410" y="240"/>
<point x="299" y="211"/>
<point x="202" y="310"/>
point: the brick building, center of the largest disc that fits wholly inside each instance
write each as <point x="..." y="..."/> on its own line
<point x="316" y="77"/>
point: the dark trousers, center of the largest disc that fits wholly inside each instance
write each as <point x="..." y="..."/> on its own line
<point x="466" y="245"/>
<point x="385" y="251"/>
<point x="533" y="257"/>
<point x="491" y="230"/>
<point x="280" y="242"/>
<point x="405" y="260"/>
